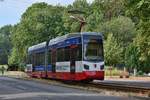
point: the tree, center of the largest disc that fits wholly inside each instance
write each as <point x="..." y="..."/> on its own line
<point x="112" y="51"/>
<point x="122" y="28"/>
<point x="139" y="11"/>
<point x="142" y="42"/>
<point x="5" y="43"/>
<point x="110" y="8"/>
<point x="95" y="17"/>
<point x="39" y="23"/>
<point x="132" y="57"/>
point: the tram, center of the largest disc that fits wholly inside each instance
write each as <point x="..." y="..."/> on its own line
<point x="74" y="56"/>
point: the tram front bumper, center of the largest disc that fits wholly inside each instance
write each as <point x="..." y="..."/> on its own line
<point x="94" y="75"/>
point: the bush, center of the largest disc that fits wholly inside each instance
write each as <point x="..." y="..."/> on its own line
<point x="140" y="73"/>
<point x="114" y="72"/>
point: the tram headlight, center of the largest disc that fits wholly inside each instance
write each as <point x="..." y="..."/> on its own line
<point x="86" y="67"/>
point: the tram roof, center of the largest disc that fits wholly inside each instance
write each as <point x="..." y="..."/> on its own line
<point x="59" y="39"/>
<point x="38" y="46"/>
<point x="71" y="35"/>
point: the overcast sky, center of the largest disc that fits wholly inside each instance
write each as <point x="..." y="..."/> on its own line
<point x="11" y="10"/>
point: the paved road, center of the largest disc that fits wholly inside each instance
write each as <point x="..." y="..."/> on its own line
<point x="15" y="89"/>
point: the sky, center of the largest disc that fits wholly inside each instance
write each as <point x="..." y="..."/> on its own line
<point x="11" y="10"/>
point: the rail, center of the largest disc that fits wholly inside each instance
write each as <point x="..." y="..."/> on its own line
<point x="114" y="86"/>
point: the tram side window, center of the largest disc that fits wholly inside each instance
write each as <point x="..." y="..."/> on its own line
<point x="79" y="53"/>
<point x="49" y="57"/>
<point x="60" y="55"/>
<point x="33" y="59"/>
<point x="36" y="59"/>
<point x="39" y="58"/>
<point x="42" y="58"/>
<point x="30" y="59"/>
<point x="67" y="54"/>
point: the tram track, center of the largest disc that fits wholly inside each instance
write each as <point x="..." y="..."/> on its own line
<point x="121" y="87"/>
<point x="114" y="87"/>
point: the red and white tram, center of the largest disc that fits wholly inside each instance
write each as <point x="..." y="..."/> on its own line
<point x="75" y="56"/>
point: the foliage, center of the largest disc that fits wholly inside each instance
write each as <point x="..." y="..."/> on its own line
<point x="142" y="42"/>
<point x="14" y="58"/>
<point x="139" y="11"/>
<point x="39" y="23"/>
<point x="95" y="17"/>
<point x="132" y="57"/>
<point x="110" y="8"/>
<point x="112" y="51"/>
<point x="122" y="28"/>
<point x="5" y="43"/>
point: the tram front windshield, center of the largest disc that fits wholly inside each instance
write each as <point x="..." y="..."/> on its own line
<point x="93" y="49"/>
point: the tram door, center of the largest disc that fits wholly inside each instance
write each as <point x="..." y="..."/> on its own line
<point x="72" y="59"/>
<point x="53" y="61"/>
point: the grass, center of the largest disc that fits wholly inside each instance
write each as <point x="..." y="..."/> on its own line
<point x="14" y="74"/>
<point x="113" y="72"/>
